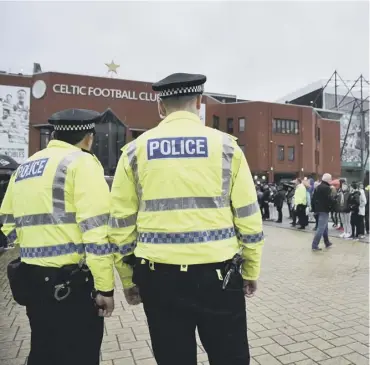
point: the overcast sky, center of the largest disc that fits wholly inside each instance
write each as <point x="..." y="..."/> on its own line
<point x="256" y="50"/>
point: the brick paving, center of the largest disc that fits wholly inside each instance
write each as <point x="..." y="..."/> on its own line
<point x="311" y="308"/>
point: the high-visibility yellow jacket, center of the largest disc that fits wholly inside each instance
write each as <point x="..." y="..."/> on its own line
<point x="300" y="195"/>
<point x="57" y="208"/>
<point x="183" y="194"/>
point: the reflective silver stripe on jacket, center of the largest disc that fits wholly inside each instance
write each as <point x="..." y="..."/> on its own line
<point x="181" y="203"/>
<point x="7" y="219"/>
<point x="45" y="218"/>
<point x="122" y="222"/>
<point x="157" y="205"/>
<point x="59" y="215"/>
<point x="132" y="160"/>
<point x="94" y="222"/>
<point x="227" y="158"/>
<point x="247" y="210"/>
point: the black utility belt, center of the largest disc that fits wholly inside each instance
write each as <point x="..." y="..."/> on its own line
<point x="225" y="269"/>
<point x="23" y="278"/>
<point x="154" y="266"/>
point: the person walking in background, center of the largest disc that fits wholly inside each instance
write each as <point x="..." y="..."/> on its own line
<point x="289" y="198"/>
<point x="265" y="202"/>
<point x="354" y="204"/>
<point x="340" y="220"/>
<point x="316" y="216"/>
<point x="308" y="205"/>
<point x="273" y="212"/>
<point x="321" y="203"/>
<point x="300" y="202"/>
<point x="279" y="201"/>
<point x="333" y="213"/>
<point x="367" y="189"/>
<point x="361" y="212"/>
<point x="345" y="211"/>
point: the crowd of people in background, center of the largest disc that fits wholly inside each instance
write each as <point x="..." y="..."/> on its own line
<point x="348" y="206"/>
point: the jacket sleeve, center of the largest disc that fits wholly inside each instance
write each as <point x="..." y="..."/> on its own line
<point x="124" y="204"/>
<point x="6" y="214"/>
<point x="91" y="197"/>
<point x="247" y="216"/>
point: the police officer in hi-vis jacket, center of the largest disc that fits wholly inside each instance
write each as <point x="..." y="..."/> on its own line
<point x="185" y="217"/>
<point x="57" y="209"/>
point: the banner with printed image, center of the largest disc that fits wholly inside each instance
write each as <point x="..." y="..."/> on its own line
<point x="14" y="121"/>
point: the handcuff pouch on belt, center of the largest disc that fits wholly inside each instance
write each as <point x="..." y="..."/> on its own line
<point x="232" y="268"/>
<point x="63" y="290"/>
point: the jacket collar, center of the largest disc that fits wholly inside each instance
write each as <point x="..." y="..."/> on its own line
<point x="181" y="115"/>
<point x="60" y="144"/>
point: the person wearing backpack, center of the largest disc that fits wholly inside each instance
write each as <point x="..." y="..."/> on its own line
<point x="344" y="210"/>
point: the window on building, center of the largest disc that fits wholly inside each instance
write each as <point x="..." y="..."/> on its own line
<point x="289" y="126"/>
<point x="241" y="124"/>
<point x="45" y="134"/>
<point x="291" y="153"/>
<point x="285" y="126"/>
<point x="318" y="134"/>
<point x="280" y="153"/>
<point x="136" y="134"/>
<point x="317" y="157"/>
<point x="230" y="125"/>
<point x="216" y="122"/>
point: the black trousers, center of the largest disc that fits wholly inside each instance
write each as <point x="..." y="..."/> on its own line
<point x="280" y="213"/>
<point x="67" y="332"/>
<point x="266" y="210"/>
<point x="367" y="220"/>
<point x="355" y="224"/>
<point x="177" y="302"/>
<point x="361" y="225"/>
<point x="294" y="217"/>
<point x="302" y="217"/>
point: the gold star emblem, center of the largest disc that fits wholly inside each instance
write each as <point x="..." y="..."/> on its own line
<point x="112" y="67"/>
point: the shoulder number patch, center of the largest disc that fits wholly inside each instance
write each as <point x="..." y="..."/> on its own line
<point x="31" y="169"/>
<point x="177" y="147"/>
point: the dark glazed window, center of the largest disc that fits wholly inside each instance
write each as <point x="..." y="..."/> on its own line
<point x="216" y="122"/>
<point x="241" y="124"/>
<point x="291" y="153"/>
<point x="230" y="125"/>
<point x="45" y="134"/>
<point x="280" y="153"/>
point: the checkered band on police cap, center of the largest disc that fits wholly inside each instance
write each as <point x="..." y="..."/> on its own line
<point x="74" y="127"/>
<point x="182" y="91"/>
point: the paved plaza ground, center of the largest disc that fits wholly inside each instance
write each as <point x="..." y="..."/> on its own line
<point x="311" y="308"/>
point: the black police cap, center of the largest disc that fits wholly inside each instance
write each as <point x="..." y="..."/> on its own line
<point x="180" y="84"/>
<point x="74" y="120"/>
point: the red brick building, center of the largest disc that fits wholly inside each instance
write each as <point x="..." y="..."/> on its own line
<point x="279" y="140"/>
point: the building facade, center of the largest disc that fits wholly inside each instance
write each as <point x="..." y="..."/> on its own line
<point x="350" y="106"/>
<point x="280" y="141"/>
